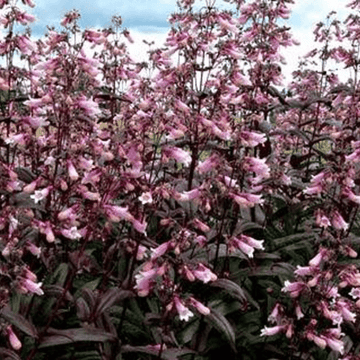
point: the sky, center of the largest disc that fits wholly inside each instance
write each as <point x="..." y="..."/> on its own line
<point x="147" y="19"/>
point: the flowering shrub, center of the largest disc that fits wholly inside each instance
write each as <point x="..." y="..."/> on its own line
<point x="142" y="216"/>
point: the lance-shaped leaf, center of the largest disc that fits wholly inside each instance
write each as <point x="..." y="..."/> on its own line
<point x="232" y="289"/>
<point x="60" y="337"/>
<point x="19" y="321"/>
<point x="220" y="322"/>
<point x="166" y="354"/>
<point x="110" y="297"/>
<point x="8" y="354"/>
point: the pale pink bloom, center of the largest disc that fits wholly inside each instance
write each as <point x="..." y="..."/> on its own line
<point x="201" y="308"/>
<point x="139" y="226"/>
<point x="351" y="196"/>
<point x="69" y="214"/>
<point x="251" y="139"/>
<point x="183" y="311"/>
<point x="319" y="257"/>
<point x="189" y="195"/>
<point x="24" y="18"/>
<point x="298" y="312"/>
<point x="355" y="293"/>
<point x="85" y="164"/>
<point x="245" y="200"/>
<point x="72" y="233"/>
<point x="50" y="237"/>
<point x="182" y="106"/>
<point x="344" y="309"/>
<point x="90" y="107"/>
<point x="208" y="164"/>
<point x="294" y="288"/>
<point x="319" y="341"/>
<point x="141" y="252"/>
<point x="338" y="221"/>
<point x="236" y="243"/>
<point x="35" y="250"/>
<point x="188" y="273"/>
<point x="40" y="194"/>
<point x="200" y="225"/>
<point x="178" y="154"/>
<point x="25" y="45"/>
<point x="204" y="274"/>
<point x="322" y="220"/>
<point x="146" y="198"/>
<point x="269" y="331"/>
<point x="13" y="339"/>
<point x="117" y="213"/>
<point x="72" y="171"/>
<point x="30" y="188"/>
<point x="335" y="344"/>
<point x="276" y="314"/>
<point x="257" y="244"/>
<point x="160" y="250"/>
<point x="32" y="287"/>
<point x="144" y="281"/>
<point x="92" y="196"/>
<point x="304" y="270"/>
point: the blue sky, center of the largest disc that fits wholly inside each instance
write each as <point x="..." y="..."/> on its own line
<point x="147" y="19"/>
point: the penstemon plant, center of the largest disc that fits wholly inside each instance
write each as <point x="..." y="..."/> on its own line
<point x="148" y="208"/>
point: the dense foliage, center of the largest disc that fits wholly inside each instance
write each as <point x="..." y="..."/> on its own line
<point x="183" y="208"/>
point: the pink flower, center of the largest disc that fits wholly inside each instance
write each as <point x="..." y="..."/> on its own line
<point x="245" y="200"/>
<point x="72" y="171"/>
<point x="160" y="250"/>
<point x="117" y="213"/>
<point x="178" y="154"/>
<point x="146" y="198"/>
<point x="40" y="194"/>
<point x="71" y="233"/>
<point x="202" y="309"/>
<point x="251" y="139"/>
<point x="319" y="257"/>
<point x="204" y="274"/>
<point x="144" y="281"/>
<point x="13" y="339"/>
<point x="183" y="311"/>
<point x="272" y="330"/>
<point x="338" y="221"/>
<point x="32" y="287"/>
<point x="294" y="288"/>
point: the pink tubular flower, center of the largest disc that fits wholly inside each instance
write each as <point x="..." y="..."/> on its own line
<point x="201" y="308"/>
<point x="294" y="289"/>
<point x="183" y="311"/>
<point x="319" y="257"/>
<point x="40" y="194"/>
<point x="272" y="330"/>
<point x="178" y="154"/>
<point x="13" y="339"/>
<point x="72" y="171"/>
<point x="251" y="139"/>
<point x="72" y="233"/>
<point x="204" y="274"/>
<point x="32" y="287"/>
<point x="338" y="221"/>
<point x="160" y="250"/>
<point x="245" y="200"/>
<point x="117" y="213"/>
<point x="208" y="164"/>
<point x="144" y="281"/>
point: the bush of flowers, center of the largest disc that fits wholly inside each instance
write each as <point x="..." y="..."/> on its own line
<point x="182" y="208"/>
